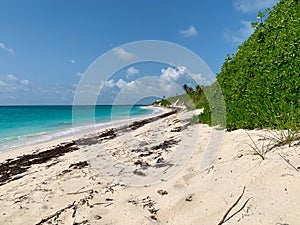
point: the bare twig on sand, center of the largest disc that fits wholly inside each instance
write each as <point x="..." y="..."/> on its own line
<point x="55" y="214"/>
<point x="225" y="219"/>
<point x="288" y="161"/>
<point x="109" y="204"/>
<point x="79" y="192"/>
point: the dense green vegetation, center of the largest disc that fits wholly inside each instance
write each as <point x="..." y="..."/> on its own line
<point x="162" y="102"/>
<point x="208" y="98"/>
<point x="183" y="99"/>
<point x="261" y="81"/>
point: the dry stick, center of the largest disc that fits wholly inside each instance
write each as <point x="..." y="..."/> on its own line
<point x="55" y="214"/>
<point x="289" y="162"/>
<point x="166" y="169"/>
<point x="238" y="210"/>
<point x="99" y="203"/>
<point x="79" y="192"/>
<point x="109" y="204"/>
<point x="228" y="211"/>
<point x="45" y="196"/>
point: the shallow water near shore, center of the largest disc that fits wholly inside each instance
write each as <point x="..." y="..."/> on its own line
<point x="25" y="125"/>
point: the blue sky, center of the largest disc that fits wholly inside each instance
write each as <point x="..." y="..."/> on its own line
<point x="45" y="46"/>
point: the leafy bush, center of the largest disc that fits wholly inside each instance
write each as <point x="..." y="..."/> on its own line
<point x="210" y="99"/>
<point x="261" y="82"/>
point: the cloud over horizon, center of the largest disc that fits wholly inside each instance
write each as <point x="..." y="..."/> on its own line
<point x="10" y="83"/>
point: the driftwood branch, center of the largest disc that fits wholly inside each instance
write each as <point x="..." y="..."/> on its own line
<point x="288" y="161"/>
<point x="225" y="219"/>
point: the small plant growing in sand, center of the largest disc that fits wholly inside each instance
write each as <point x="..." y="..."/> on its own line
<point x="284" y="137"/>
<point x="260" y="149"/>
<point x="288" y="132"/>
<point x="276" y="138"/>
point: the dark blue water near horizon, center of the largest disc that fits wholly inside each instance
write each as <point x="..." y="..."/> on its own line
<point x="21" y="123"/>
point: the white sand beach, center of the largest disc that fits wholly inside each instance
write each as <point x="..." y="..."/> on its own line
<point x="152" y="171"/>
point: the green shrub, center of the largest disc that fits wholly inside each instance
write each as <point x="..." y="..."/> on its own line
<point x="261" y="82"/>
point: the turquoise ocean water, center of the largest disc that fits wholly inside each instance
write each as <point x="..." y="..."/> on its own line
<point x="21" y="125"/>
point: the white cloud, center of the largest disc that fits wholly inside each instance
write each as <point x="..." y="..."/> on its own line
<point x="14" y="90"/>
<point x="105" y="85"/>
<point x="172" y="73"/>
<point x="240" y="35"/>
<point x="24" y="82"/>
<point x="247" y="6"/>
<point x="121" y="83"/>
<point x="147" y="87"/>
<point x="182" y="75"/>
<point x="131" y="71"/>
<point x="72" y="61"/>
<point x="110" y="83"/>
<point x="132" y="84"/>
<point x="124" y="55"/>
<point x="54" y="93"/>
<point x="11" y="83"/>
<point x="2" y="83"/>
<point x="88" y="89"/>
<point x="190" y="32"/>
<point x="11" y="77"/>
<point x="79" y="74"/>
<point x="9" y="50"/>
